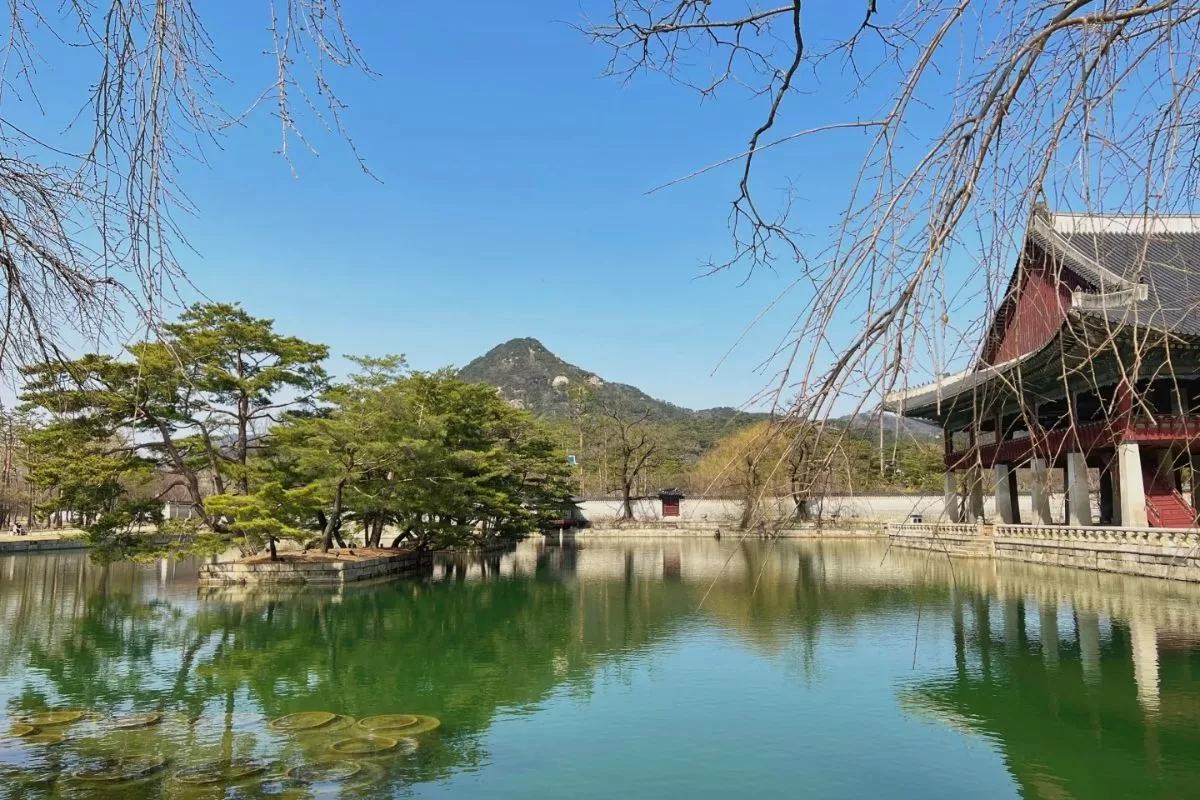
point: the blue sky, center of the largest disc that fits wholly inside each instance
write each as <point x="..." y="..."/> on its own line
<point x="510" y="201"/>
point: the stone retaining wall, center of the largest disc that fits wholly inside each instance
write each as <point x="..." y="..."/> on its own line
<point x="964" y="541"/>
<point x="30" y="544"/>
<point x="323" y="573"/>
<point x="1149" y="552"/>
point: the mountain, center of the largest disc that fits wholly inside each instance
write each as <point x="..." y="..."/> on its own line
<point x="531" y="377"/>
<point x="868" y="425"/>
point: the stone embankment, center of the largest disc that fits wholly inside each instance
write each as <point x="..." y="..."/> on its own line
<point x="42" y="542"/>
<point x="315" y="569"/>
<point x="1149" y="552"/>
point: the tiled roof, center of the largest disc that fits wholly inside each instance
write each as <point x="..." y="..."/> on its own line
<point x="1148" y="267"/>
<point x="1142" y="271"/>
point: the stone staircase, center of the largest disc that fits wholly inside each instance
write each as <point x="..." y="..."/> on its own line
<point x="1166" y="507"/>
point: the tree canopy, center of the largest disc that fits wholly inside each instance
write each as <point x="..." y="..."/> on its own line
<point x="264" y="447"/>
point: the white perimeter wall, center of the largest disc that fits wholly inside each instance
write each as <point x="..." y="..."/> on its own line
<point x="887" y="508"/>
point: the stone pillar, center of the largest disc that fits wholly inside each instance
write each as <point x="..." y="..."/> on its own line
<point x="1143" y="640"/>
<point x="1015" y="494"/>
<point x="1041" y="497"/>
<point x="1087" y="630"/>
<point x="975" y="494"/>
<point x="1194" y="460"/>
<point x="1006" y="499"/>
<point x="953" y="507"/>
<point x="1114" y="473"/>
<point x="1131" y="491"/>
<point x="1080" y="502"/>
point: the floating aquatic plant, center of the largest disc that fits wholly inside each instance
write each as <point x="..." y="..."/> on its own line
<point x="424" y="725"/>
<point x="125" y="722"/>
<point x="339" y="723"/>
<point x="117" y="770"/>
<point x="303" y="721"/>
<point x="225" y="772"/>
<point x="52" y="718"/>
<point x="43" y="738"/>
<point x="364" y="745"/>
<point x="324" y="771"/>
<point x="388" y="722"/>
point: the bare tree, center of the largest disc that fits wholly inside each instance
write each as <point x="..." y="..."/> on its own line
<point x="89" y="220"/>
<point x="636" y="445"/>
<point x="964" y="119"/>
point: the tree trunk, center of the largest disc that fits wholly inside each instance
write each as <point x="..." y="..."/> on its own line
<point x="243" y="421"/>
<point x="274" y="555"/>
<point x="334" y="517"/>
<point x="803" y="512"/>
<point x="626" y="501"/>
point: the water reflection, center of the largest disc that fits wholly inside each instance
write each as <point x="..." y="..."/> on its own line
<point x="1081" y="683"/>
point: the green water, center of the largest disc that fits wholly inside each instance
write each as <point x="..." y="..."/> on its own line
<point x="618" y="669"/>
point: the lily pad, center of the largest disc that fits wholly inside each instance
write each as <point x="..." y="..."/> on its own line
<point x="424" y="725"/>
<point x="124" y="722"/>
<point x="364" y="745"/>
<point x="303" y="721"/>
<point x="21" y="729"/>
<point x="389" y="722"/>
<point x="324" y="771"/>
<point x="120" y="769"/>
<point x="43" y="738"/>
<point x="340" y="723"/>
<point x="220" y="772"/>
<point x="52" y="718"/>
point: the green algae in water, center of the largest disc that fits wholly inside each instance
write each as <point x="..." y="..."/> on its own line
<point x="364" y="745"/>
<point x="118" y="770"/>
<point x="226" y="773"/>
<point x="48" y="719"/>
<point x="389" y="722"/>
<point x="303" y="721"/>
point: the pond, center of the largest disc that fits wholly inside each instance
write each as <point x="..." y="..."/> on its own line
<point x="637" y="668"/>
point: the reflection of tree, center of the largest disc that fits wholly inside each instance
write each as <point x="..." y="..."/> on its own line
<point x="459" y="650"/>
<point x="782" y="598"/>
<point x="474" y="644"/>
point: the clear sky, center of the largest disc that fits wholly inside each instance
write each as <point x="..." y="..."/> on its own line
<point x="511" y="201"/>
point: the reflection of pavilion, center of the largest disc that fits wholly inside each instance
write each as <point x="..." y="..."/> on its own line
<point x="1071" y="611"/>
<point x="1075" y="681"/>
